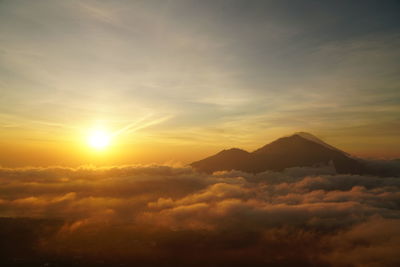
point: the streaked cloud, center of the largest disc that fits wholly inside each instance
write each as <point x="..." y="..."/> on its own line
<point x="275" y="66"/>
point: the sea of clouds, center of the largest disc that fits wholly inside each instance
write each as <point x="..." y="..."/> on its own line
<point x="173" y="215"/>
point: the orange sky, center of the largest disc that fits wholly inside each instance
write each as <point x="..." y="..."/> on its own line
<point x="150" y="150"/>
<point x="176" y="82"/>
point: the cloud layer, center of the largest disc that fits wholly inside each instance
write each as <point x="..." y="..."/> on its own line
<point x="168" y="215"/>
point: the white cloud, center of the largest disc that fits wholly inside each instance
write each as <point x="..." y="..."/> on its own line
<point x="162" y="202"/>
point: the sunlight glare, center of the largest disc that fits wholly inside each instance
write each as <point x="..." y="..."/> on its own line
<point x="99" y="139"/>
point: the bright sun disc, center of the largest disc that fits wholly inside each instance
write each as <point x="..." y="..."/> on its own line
<point x="99" y="139"/>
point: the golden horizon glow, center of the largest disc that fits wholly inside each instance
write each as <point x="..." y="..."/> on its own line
<point x="99" y="139"/>
<point x="204" y="88"/>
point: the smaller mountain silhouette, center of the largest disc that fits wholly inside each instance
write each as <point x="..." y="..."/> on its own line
<point x="298" y="150"/>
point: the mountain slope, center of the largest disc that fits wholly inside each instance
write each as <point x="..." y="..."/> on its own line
<point x="298" y="150"/>
<point x="230" y="159"/>
<point x="315" y="139"/>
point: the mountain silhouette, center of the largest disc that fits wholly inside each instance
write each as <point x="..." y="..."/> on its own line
<point x="298" y="150"/>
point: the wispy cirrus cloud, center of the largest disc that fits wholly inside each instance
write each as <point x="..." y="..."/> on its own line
<point x="277" y="71"/>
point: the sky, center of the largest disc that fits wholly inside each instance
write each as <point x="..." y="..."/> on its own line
<point x="176" y="81"/>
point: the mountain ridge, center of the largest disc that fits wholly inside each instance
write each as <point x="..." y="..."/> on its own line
<point x="298" y="150"/>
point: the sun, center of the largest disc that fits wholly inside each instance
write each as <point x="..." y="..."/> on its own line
<point x="99" y="139"/>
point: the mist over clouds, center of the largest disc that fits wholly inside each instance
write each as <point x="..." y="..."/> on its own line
<point x="167" y="215"/>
